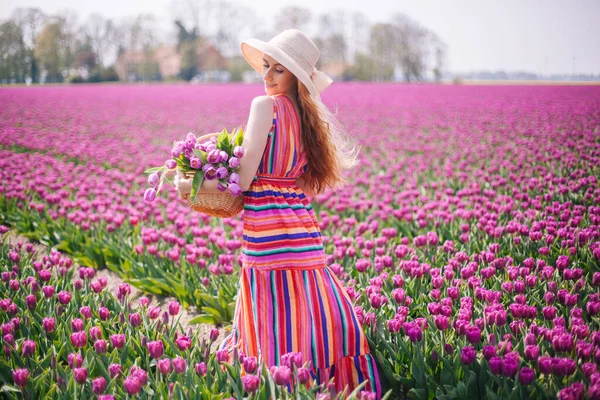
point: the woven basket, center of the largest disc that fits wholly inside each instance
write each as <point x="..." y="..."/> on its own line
<point x="222" y="205"/>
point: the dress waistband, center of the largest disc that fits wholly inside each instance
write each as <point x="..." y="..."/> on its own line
<point x="282" y="181"/>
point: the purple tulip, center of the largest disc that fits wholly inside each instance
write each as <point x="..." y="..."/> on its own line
<point x="223" y="355"/>
<point x="209" y="171"/>
<point x="117" y="340"/>
<point x="95" y="333"/>
<point x="473" y="334"/>
<point x="101" y="346"/>
<point x="115" y="370"/>
<point x="250" y="364"/>
<point x="594" y="389"/>
<point x="221" y="173"/>
<point x="49" y="324"/>
<point x="221" y="187"/>
<point x="164" y="366"/>
<point x="183" y="343"/>
<point x="303" y="375"/>
<point x="173" y="308"/>
<point x="292" y="358"/>
<point x="179" y="365"/>
<point x="201" y="369"/>
<point x="250" y="383"/>
<point x="563" y="366"/>
<point x="81" y="375"/>
<point x="171" y="164"/>
<point x="235" y="189"/>
<point x="234" y="177"/>
<point x="509" y="367"/>
<point x="149" y="195"/>
<point x="99" y="385"/>
<point x="156" y="348"/>
<point x="489" y="352"/>
<point x="281" y="375"/>
<point x="153" y="179"/>
<point x="526" y="376"/>
<point x="76" y="324"/>
<point x="28" y="348"/>
<point x="496" y="365"/>
<point x="177" y="150"/>
<point x="195" y="163"/>
<point x="214" y="156"/>
<point x="135" y="319"/>
<point x="532" y="352"/>
<point x="238" y="151"/>
<point x="233" y="162"/>
<point x="545" y="365"/>
<point x="394" y="325"/>
<point x="20" y="376"/>
<point x="75" y="360"/>
<point x="48" y="291"/>
<point x="468" y="355"/>
<point x="139" y="373"/>
<point x="104" y="313"/>
<point x="132" y="385"/>
<point x="86" y="312"/>
<point x="64" y="297"/>
<point x="31" y="301"/>
<point x="412" y="330"/>
<point x="79" y="339"/>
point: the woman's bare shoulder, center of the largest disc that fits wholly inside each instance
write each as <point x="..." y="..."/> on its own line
<point x="263" y="101"/>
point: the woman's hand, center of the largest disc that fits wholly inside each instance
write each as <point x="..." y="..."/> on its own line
<point x="183" y="185"/>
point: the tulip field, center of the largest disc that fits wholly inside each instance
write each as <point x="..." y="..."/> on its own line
<point x="468" y="239"/>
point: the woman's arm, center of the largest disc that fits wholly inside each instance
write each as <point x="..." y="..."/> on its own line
<point x="259" y="124"/>
<point x="255" y="140"/>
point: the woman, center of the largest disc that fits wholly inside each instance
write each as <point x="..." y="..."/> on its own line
<point x="290" y="300"/>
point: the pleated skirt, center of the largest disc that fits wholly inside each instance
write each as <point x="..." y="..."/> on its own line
<point x="307" y="311"/>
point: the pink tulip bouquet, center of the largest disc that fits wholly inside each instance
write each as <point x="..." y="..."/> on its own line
<point x="213" y="156"/>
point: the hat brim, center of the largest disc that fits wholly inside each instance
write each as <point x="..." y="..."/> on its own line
<point x="253" y="50"/>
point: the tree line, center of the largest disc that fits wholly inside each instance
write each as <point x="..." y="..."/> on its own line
<point x="38" y="47"/>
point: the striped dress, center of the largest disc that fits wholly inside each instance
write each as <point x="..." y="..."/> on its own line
<point x="289" y="299"/>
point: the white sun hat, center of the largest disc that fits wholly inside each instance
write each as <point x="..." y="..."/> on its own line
<point x="295" y="51"/>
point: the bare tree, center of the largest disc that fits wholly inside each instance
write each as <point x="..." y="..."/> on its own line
<point x="100" y="31"/>
<point x="29" y="21"/>
<point x="439" y="50"/>
<point x="13" y="64"/>
<point x="359" y="37"/>
<point x="332" y="37"/>
<point x="69" y="28"/>
<point x="382" y="46"/>
<point x="228" y="15"/>
<point x="195" y="14"/>
<point x="48" y="51"/>
<point x="411" y="46"/>
<point x="292" y="17"/>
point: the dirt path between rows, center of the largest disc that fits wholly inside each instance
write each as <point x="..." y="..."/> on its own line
<point x="114" y="280"/>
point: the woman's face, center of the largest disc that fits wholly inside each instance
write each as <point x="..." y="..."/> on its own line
<point x="277" y="78"/>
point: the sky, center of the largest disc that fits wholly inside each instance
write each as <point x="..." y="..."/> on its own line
<point x="539" y="36"/>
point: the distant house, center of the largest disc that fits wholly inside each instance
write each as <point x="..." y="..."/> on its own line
<point x="165" y="62"/>
<point x="168" y="60"/>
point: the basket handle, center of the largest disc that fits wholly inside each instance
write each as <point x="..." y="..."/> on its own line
<point x="205" y="138"/>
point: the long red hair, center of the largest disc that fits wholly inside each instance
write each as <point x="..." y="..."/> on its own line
<point x="329" y="150"/>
